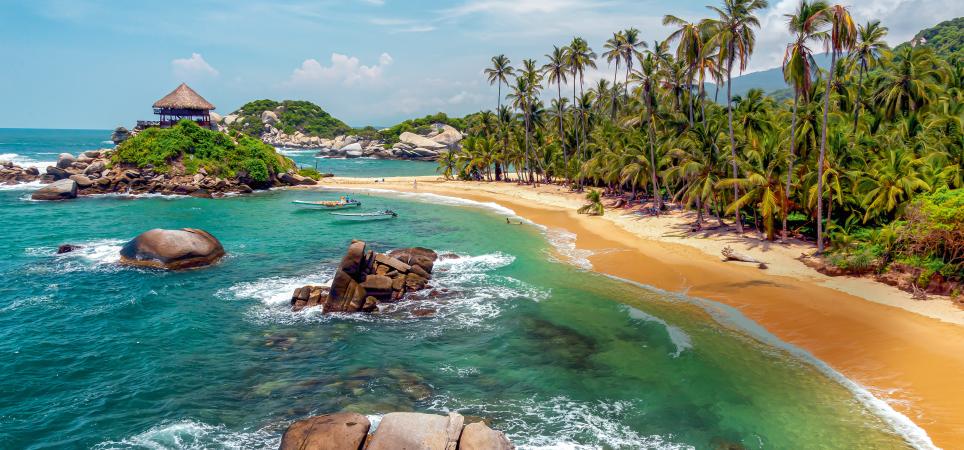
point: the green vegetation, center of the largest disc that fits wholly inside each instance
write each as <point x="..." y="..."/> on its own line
<point x="946" y="39"/>
<point x="417" y="126"/>
<point x="310" y="173"/>
<point x="195" y="147"/>
<point x="293" y="115"/>
<point x="865" y="154"/>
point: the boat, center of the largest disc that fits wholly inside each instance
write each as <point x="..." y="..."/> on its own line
<point x="343" y="203"/>
<point x="377" y="215"/>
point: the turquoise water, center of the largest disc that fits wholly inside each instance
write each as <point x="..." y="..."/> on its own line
<point x="93" y="355"/>
<point x="35" y="147"/>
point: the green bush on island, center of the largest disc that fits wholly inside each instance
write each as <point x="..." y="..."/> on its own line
<point x="310" y="173"/>
<point x="419" y="126"/>
<point x="196" y="147"/>
<point x="293" y="116"/>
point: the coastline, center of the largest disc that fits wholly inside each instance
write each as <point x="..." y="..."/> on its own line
<point x="902" y="350"/>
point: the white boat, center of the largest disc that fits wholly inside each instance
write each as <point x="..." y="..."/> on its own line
<point x="330" y="205"/>
<point x="377" y="215"/>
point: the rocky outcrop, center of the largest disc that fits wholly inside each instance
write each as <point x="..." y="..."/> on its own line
<point x="418" y="141"/>
<point x="94" y="174"/>
<point x="11" y="173"/>
<point x="187" y="248"/>
<point x="396" y="431"/>
<point x="365" y="279"/>
<point x="411" y="146"/>
<point x="58" y="190"/>
<point x="340" y="431"/>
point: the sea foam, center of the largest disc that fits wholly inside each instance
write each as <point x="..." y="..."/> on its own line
<point x="190" y="434"/>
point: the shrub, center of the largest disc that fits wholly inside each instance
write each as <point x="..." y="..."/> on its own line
<point x="310" y="173"/>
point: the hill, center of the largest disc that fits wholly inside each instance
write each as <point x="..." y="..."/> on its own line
<point x="946" y="38"/>
<point x="289" y="116"/>
<point x="770" y="81"/>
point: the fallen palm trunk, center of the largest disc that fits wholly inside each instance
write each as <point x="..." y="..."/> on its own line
<point x="732" y="255"/>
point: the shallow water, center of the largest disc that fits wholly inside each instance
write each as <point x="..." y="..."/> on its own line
<point x="95" y="355"/>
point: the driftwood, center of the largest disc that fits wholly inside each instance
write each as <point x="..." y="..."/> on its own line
<point x="731" y="255"/>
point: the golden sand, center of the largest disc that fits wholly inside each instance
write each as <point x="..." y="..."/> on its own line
<point x="907" y="352"/>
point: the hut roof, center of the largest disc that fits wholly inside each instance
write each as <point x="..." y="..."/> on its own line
<point x="183" y="98"/>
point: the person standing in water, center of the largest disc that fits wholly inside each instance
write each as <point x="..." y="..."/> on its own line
<point x="415" y="185"/>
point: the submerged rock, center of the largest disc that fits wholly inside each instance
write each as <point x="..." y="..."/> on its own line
<point x="67" y="248"/>
<point x="340" y="431"/>
<point x="58" y="190"/>
<point x="186" y="248"/>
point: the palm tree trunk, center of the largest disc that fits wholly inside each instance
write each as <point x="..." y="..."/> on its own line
<point x="612" y="114"/>
<point x="562" y="144"/>
<point x="528" y="158"/>
<point x="823" y="152"/>
<point x="860" y="95"/>
<point x="657" y="200"/>
<point x="689" y="91"/>
<point x="575" y="121"/>
<point x="729" y="115"/>
<point x="793" y="142"/>
<point x="699" y="213"/>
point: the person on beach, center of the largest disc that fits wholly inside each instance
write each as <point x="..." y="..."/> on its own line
<point x="415" y="185"/>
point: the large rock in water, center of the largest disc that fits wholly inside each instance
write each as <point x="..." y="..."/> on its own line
<point x="449" y="136"/>
<point x="58" y="190"/>
<point x="419" y="141"/>
<point x="341" y="431"/>
<point x="186" y="248"/>
<point x="400" y="430"/>
<point x="478" y="436"/>
<point x="364" y="279"/>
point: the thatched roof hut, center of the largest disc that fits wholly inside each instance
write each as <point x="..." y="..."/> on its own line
<point x="184" y="98"/>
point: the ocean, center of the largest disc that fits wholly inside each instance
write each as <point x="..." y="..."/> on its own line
<point x="94" y="355"/>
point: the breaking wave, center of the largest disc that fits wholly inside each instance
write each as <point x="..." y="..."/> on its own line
<point x="189" y="434"/>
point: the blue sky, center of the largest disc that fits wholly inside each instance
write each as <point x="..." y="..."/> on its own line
<point x="100" y="64"/>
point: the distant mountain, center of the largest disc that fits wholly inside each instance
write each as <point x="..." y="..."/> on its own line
<point x="946" y="38"/>
<point x="770" y="80"/>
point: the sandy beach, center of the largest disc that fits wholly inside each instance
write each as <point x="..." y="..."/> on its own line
<point x="906" y="352"/>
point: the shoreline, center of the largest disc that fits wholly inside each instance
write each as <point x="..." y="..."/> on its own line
<point x="904" y="351"/>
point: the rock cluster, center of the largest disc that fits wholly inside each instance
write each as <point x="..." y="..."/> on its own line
<point x="365" y="279"/>
<point x="187" y="248"/>
<point x="397" y="430"/>
<point x="11" y="173"/>
<point x="93" y="173"/>
<point x="441" y="138"/>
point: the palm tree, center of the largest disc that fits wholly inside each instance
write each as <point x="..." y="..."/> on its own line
<point x="735" y="38"/>
<point x="580" y="57"/>
<point x="647" y="77"/>
<point x="910" y="82"/>
<point x="842" y="38"/>
<point x="595" y="206"/>
<point x="799" y="68"/>
<point x="689" y="51"/>
<point x="555" y="72"/>
<point x="614" y="54"/>
<point x="866" y="54"/>
<point x="629" y="47"/>
<point x="499" y="73"/>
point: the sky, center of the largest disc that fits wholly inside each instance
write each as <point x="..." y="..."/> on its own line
<point x="100" y="64"/>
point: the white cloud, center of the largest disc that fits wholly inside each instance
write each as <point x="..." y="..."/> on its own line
<point x="193" y="68"/>
<point x="344" y="69"/>
<point x="375" y="2"/>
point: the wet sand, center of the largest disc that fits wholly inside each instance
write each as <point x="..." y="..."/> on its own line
<point x="913" y="362"/>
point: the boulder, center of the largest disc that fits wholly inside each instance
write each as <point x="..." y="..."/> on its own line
<point x="269" y="118"/>
<point x="58" y="190"/>
<point x="354" y="154"/>
<point x="82" y="181"/>
<point x="65" y="160"/>
<point x="478" y="436"/>
<point x="230" y="118"/>
<point x="215" y="117"/>
<point x="94" y="154"/>
<point x="416" y="141"/>
<point x="119" y="135"/>
<point x="416" y="255"/>
<point x="95" y="167"/>
<point x="449" y="136"/>
<point x="399" y="430"/>
<point x="340" y="431"/>
<point x="186" y="248"/>
<point x="67" y="248"/>
<point x="424" y="152"/>
<point x="57" y="173"/>
<point x="356" y="147"/>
